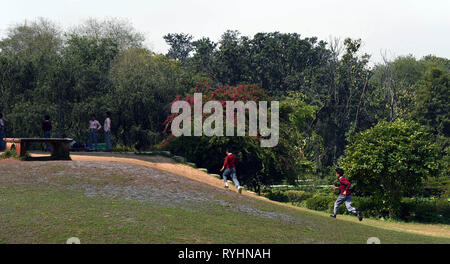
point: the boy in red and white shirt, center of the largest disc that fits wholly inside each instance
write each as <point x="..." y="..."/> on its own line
<point x="230" y="168"/>
<point x="344" y="195"/>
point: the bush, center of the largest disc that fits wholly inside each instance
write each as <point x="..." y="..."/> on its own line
<point x="406" y="209"/>
<point x="425" y="210"/>
<point x="326" y="192"/>
<point x="264" y="166"/>
<point x="9" y="154"/>
<point x="296" y="197"/>
<point x="276" y="195"/>
<point x="370" y="207"/>
<point x="12" y="154"/>
<point x="411" y="157"/>
<point x="411" y="209"/>
<point x="123" y="148"/>
<point x="320" y="203"/>
<point x="443" y="209"/>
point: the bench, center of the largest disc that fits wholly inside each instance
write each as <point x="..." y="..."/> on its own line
<point x="59" y="146"/>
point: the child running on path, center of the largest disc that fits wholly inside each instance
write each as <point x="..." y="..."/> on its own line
<point x="230" y="168"/>
<point x="344" y="195"/>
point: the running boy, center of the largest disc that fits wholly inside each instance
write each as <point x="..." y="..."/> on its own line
<point x="230" y="168"/>
<point x="344" y="195"/>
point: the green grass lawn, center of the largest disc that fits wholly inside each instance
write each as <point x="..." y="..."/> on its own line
<point x="49" y="202"/>
<point x="43" y="215"/>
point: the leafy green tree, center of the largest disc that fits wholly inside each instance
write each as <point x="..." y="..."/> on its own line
<point x="203" y="59"/>
<point x="143" y="85"/>
<point x="296" y="118"/>
<point x="258" y="165"/>
<point x="120" y="30"/>
<point x="432" y="101"/>
<point x="83" y="81"/>
<point x="393" y="84"/>
<point x="231" y="59"/>
<point x="28" y="58"/>
<point x="180" y="46"/>
<point x="344" y="107"/>
<point x="390" y="160"/>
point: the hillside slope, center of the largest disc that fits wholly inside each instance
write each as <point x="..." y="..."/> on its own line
<point x="119" y="198"/>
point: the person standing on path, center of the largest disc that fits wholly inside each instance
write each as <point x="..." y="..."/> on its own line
<point x="2" y="133"/>
<point x="107" y="128"/>
<point x="47" y="128"/>
<point x="344" y="195"/>
<point x="94" y="126"/>
<point x="230" y="169"/>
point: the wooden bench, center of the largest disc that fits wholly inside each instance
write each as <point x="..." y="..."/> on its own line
<point x="59" y="146"/>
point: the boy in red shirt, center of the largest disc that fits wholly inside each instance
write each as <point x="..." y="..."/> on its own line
<point x="230" y="168"/>
<point x="344" y="195"/>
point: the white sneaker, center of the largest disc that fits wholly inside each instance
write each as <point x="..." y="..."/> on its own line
<point x="226" y="186"/>
<point x="240" y="189"/>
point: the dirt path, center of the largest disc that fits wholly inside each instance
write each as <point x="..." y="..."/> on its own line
<point x="169" y="165"/>
<point x="155" y="162"/>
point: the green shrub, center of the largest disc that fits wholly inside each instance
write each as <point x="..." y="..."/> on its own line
<point x="320" y="203"/>
<point x="13" y="154"/>
<point x="9" y="154"/>
<point x="296" y="197"/>
<point x="411" y="209"/>
<point x="123" y="148"/>
<point x="443" y="209"/>
<point x="425" y="210"/>
<point x="370" y="206"/>
<point x="412" y="156"/>
<point x="275" y="195"/>
<point x="407" y="207"/>
<point x="326" y="192"/>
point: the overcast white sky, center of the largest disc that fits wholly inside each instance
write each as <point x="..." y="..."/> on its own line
<point x="400" y="27"/>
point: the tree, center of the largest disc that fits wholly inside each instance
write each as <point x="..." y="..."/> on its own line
<point x="432" y="101"/>
<point x="258" y="165"/>
<point x="120" y="30"/>
<point x="83" y="81"/>
<point x="393" y="83"/>
<point x="29" y="55"/>
<point x="143" y="85"/>
<point x="232" y="63"/>
<point x="390" y="160"/>
<point x="344" y="104"/>
<point x="296" y="120"/>
<point x="203" y="59"/>
<point x="180" y="46"/>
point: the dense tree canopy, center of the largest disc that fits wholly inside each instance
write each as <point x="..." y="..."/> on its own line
<point x="328" y="92"/>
